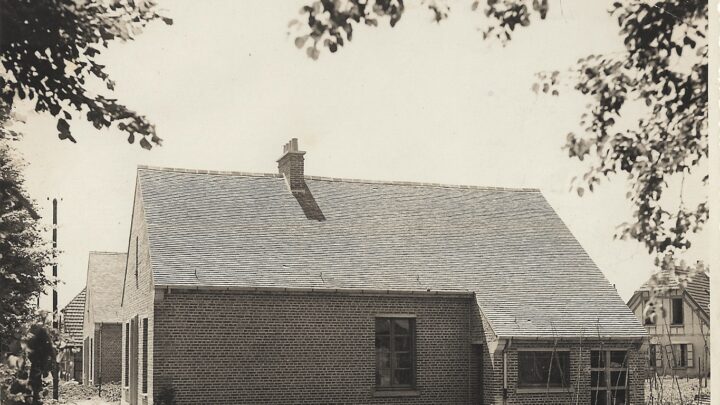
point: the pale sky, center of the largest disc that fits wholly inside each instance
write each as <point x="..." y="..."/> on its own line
<point x="226" y="88"/>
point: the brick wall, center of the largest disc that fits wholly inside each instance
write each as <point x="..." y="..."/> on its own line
<point x="292" y="165"/>
<point x="235" y="348"/>
<point x="95" y="347"/>
<point x="109" y="360"/>
<point x="86" y="361"/>
<point x="579" y="374"/>
<point x="138" y="294"/>
<point x="242" y="348"/>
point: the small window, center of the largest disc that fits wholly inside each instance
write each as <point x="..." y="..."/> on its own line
<point x="395" y="353"/>
<point x="677" y="311"/>
<point x="682" y="355"/>
<point x="652" y="356"/>
<point x="543" y="369"/>
<point x="608" y="377"/>
<point x="145" y="355"/>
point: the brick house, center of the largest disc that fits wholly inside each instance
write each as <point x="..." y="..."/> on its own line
<point x="678" y="321"/>
<point x="246" y="288"/>
<point x="71" y="329"/>
<point x="102" y="326"/>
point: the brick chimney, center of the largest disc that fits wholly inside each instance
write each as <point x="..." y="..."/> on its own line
<point x="292" y="165"/>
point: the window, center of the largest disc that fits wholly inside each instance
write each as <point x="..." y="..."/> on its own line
<point x="144" y="355"/>
<point x="608" y="377"/>
<point x="127" y="354"/>
<point x="655" y="356"/>
<point x="677" y="311"/>
<point x="681" y="355"/>
<point x="395" y="353"/>
<point x="540" y="369"/>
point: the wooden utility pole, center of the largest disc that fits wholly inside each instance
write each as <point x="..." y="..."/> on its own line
<point x="56" y="391"/>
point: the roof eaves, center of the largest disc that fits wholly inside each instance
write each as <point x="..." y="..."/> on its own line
<point x="575" y="338"/>
<point x="703" y="313"/>
<point x="366" y="291"/>
<point x="482" y="314"/>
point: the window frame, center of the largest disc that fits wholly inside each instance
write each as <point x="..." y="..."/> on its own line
<point x="607" y="371"/>
<point x="652" y="356"/>
<point x="566" y="382"/>
<point x="673" y="318"/>
<point x="685" y="355"/>
<point x="413" y="351"/>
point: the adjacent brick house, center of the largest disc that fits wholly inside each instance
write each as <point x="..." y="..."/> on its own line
<point x="246" y="288"/>
<point x="678" y="321"/>
<point x="71" y="328"/>
<point x="102" y="326"/>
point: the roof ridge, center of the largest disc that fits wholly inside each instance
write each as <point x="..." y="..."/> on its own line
<point x="343" y="180"/>
<point x="422" y="184"/>
<point x="203" y="171"/>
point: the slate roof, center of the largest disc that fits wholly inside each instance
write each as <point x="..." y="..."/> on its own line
<point x="698" y="287"/>
<point x="72" y="319"/>
<point x="105" y="273"/>
<point x="530" y="275"/>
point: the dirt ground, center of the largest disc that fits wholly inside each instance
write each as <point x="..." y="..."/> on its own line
<point x="664" y="391"/>
<point x="72" y="393"/>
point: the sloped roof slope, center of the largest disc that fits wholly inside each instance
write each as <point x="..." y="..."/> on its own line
<point x="698" y="287"/>
<point x="72" y="316"/>
<point x="530" y="275"/>
<point x="104" y="282"/>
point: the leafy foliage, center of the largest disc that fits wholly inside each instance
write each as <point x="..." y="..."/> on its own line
<point x="23" y="253"/>
<point x="664" y="67"/>
<point x="49" y="49"/>
<point x="665" y="70"/>
<point x="29" y="362"/>
<point x="330" y="23"/>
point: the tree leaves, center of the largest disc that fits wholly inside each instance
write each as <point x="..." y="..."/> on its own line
<point x="23" y="253"/>
<point x="49" y="49"/>
<point x="330" y="22"/>
<point x="64" y="130"/>
<point x="300" y="41"/>
<point x="670" y="139"/>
